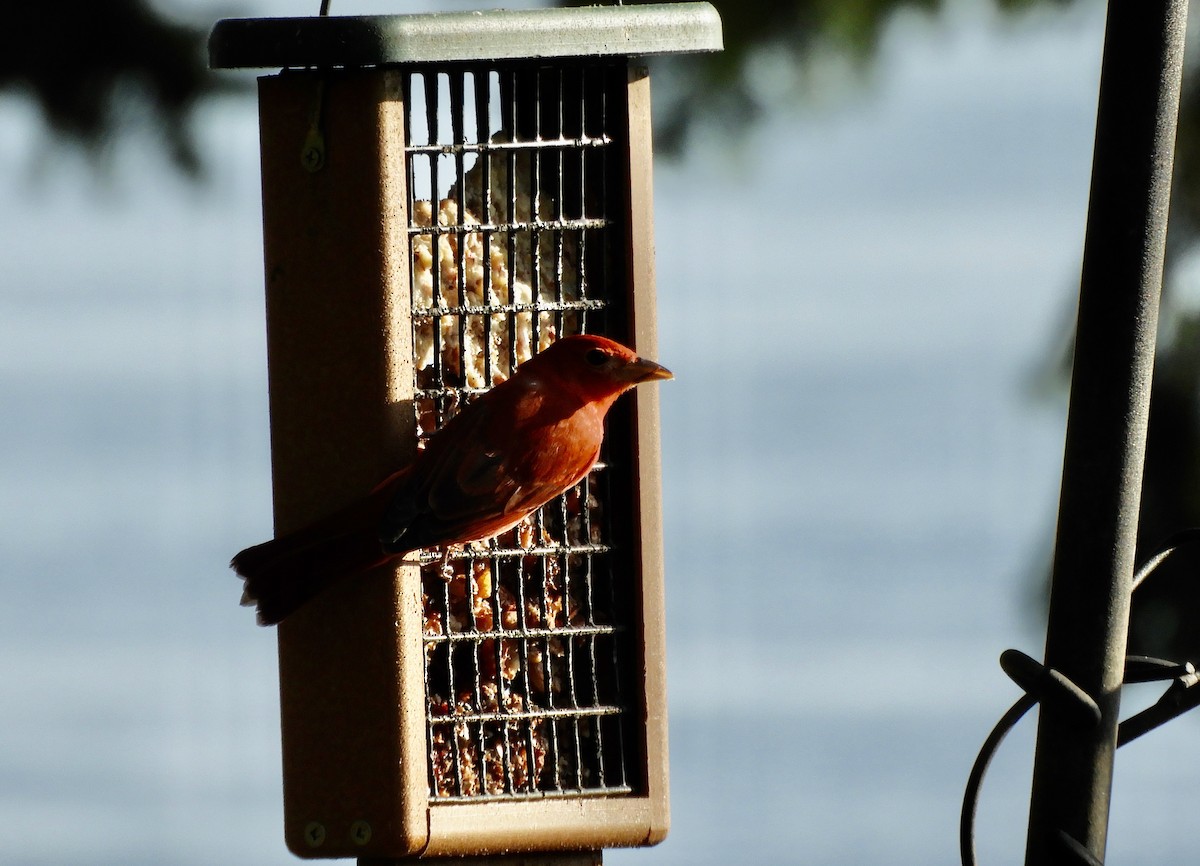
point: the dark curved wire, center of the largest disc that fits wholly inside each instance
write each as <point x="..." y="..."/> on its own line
<point x="1168" y="547"/>
<point x="966" y="826"/>
<point x="966" y="823"/>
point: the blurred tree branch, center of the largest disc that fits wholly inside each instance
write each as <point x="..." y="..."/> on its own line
<point x="798" y="33"/>
<point x="89" y="65"/>
<point x="92" y="67"/>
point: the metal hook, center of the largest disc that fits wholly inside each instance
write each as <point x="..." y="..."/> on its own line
<point x="1050" y="686"/>
<point x="312" y="153"/>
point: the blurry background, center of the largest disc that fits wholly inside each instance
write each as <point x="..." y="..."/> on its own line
<point x="869" y="221"/>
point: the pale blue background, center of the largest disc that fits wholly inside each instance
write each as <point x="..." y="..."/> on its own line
<point x="860" y="476"/>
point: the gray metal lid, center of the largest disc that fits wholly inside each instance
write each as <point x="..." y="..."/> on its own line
<point x="501" y="34"/>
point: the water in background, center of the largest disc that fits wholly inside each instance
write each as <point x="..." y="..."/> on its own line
<point x="859" y="486"/>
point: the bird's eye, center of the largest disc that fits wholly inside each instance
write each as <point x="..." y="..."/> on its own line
<point x="596" y="357"/>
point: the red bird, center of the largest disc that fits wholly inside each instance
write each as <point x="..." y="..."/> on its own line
<point x="502" y="457"/>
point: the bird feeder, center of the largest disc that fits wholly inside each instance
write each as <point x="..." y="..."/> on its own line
<point x="443" y="196"/>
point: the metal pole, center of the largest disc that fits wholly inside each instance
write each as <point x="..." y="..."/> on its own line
<point x="1106" y="426"/>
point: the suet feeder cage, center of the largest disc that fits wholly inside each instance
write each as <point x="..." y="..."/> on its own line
<point x="443" y="196"/>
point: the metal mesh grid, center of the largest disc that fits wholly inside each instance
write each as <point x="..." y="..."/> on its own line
<point x="515" y="241"/>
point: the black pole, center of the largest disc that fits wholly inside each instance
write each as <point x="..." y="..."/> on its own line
<point x="1106" y="425"/>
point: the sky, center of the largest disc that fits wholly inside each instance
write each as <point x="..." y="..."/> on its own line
<point x="859" y="297"/>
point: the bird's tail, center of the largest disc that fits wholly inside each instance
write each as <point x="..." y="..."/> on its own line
<point x="282" y="574"/>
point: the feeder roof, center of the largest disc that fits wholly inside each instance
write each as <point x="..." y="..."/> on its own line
<point x="500" y="34"/>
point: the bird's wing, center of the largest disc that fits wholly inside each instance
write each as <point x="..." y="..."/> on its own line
<point x="476" y="481"/>
<point x="463" y="476"/>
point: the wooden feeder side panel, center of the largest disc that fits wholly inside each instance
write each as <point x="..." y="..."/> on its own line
<point x="647" y="445"/>
<point x="339" y="350"/>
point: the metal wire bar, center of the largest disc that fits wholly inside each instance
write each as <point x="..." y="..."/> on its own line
<point x="1106" y="427"/>
<point x="523" y="651"/>
<point x="614" y="661"/>
<point x="517" y="225"/>
<point x="518" y="634"/>
<point x="535" y="212"/>
<point x="539" y="795"/>
<point x="456" y="81"/>
<point x="480" y="310"/>
<point x="527" y="715"/>
<point x="500" y="553"/>
<point x="483" y="135"/>
<point x="510" y="181"/>
<point x="559" y="207"/>
<point x="557" y="143"/>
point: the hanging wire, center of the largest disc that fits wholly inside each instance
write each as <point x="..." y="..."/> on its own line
<point x="1180" y="697"/>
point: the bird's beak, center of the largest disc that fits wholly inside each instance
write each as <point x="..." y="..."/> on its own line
<point x="642" y="370"/>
